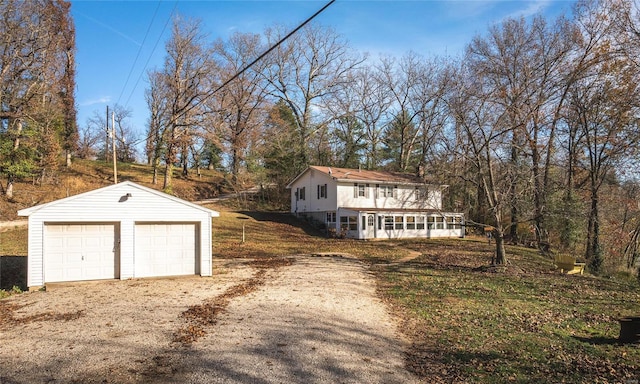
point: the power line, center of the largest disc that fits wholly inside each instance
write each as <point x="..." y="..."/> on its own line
<point x="246" y="67"/>
<point x="139" y="51"/>
<point x="269" y="50"/>
<point x="146" y="64"/>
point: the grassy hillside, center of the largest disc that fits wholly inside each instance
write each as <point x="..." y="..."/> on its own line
<point x="85" y="175"/>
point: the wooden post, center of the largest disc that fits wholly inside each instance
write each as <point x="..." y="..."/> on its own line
<point x="629" y="330"/>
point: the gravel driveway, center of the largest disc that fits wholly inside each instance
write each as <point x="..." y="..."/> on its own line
<point x="316" y="320"/>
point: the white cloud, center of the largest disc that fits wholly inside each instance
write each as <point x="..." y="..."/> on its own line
<point x="532" y="8"/>
<point x="101" y="100"/>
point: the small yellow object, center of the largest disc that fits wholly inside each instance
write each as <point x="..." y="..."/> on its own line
<point x="567" y="264"/>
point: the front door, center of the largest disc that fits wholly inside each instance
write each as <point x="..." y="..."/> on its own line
<point x="370" y="230"/>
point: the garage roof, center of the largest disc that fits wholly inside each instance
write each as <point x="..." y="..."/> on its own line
<point x="31" y="210"/>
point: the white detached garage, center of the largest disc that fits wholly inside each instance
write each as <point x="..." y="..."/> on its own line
<point x="117" y="232"/>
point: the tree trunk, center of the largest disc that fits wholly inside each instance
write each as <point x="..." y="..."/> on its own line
<point x="154" y="181"/>
<point x="594" y="254"/>
<point x="501" y="255"/>
<point x="538" y="197"/>
<point x="234" y="165"/>
<point x="9" y="190"/>
<point x="513" y="199"/>
<point x="168" y="170"/>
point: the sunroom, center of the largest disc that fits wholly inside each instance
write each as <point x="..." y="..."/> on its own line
<point x="396" y="224"/>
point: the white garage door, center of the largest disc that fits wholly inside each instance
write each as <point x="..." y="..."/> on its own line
<point x="80" y="252"/>
<point x="165" y="249"/>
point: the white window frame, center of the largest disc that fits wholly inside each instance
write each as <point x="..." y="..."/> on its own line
<point x="350" y="224"/>
<point x="410" y="222"/>
<point x="386" y="190"/>
<point x="388" y="222"/>
<point x="398" y="223"/>
<point x="331" y="218"/>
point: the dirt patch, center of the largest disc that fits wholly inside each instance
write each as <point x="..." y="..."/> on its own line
<point x="204" y="315"/>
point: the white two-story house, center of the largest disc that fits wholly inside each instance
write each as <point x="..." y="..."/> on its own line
<point x="373" y="204"/>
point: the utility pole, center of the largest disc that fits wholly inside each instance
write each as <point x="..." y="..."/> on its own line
<point x="113" y="143"/>
<point x="106" y="142"/>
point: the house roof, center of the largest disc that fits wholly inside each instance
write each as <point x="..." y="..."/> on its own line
<point x="31" y="210"/>
<point x="360" y="175"/>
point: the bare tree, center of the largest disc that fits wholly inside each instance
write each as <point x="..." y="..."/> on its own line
<point x="485" y="142"/>
<point x="346" y="131"/>
<point x="239" y="106"/>
<point x="125" y="136"/>
<point x="374" y="102"/>
<point x="157" y="99"/>
<point x="88" y="142"/>
<point x="303" y="71"/>
<point x="525" y="65"/>
<point x="401" y="133"/>
<point x="608" y="122"/>
<point x="187" y="66"/>
<point x="428" y="100"/>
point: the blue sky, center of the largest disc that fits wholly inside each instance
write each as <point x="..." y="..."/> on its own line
<point x="118" y="41"/>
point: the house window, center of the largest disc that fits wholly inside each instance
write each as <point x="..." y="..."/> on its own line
<point x="411" y="222"/>
<point x="301" y="193"/>
<point x="439" y="222"/>
<point x="349" y="223"/>
<point x="431" y="222"/>
<point x="420" y="194"/>
<point x="454" y="222"/>
<point x="360" y="190"/>
<point x="388" y="222"/>
<point x="331" y="218"/>
<point x="420" y="222"/>
<point x="399" y="222"/>
<point x="322" y="191"/>
<point x="386" y="190"/>
<point x="370" y="221"/>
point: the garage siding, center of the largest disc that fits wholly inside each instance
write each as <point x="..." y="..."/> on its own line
<point x="125" y="203"/>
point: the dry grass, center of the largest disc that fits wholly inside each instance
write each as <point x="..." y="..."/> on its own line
<point x="13" y="241"/>
<point x="86" y="175"/>
<point x="272" y="234"/>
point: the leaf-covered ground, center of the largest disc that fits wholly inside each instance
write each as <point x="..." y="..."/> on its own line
<point x="525" y="323"/>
